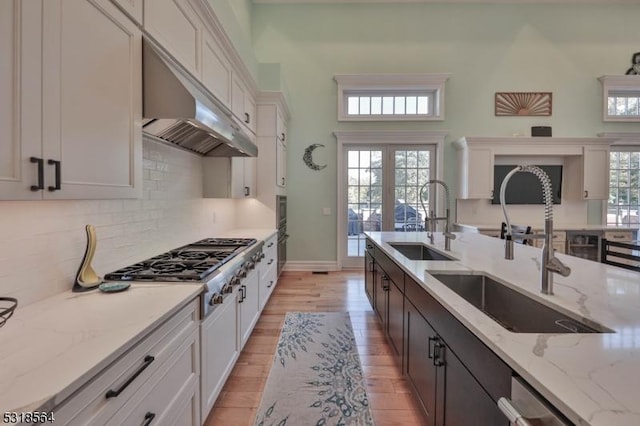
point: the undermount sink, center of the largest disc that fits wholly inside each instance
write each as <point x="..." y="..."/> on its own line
<point x="415" y="251"/>
<point x="513" y="310"/>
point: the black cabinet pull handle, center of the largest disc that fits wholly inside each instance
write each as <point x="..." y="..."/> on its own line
<point x="270" y="284"/>
<point x="586" y="194"/>
<point x="430" y="351"/>
<point x="148" y="418"/>
<point x="40" y="184"/>
<point x="283" y="181"/>
<point x="57" y="165"/>
<point x="247" y="191"/>
<point x="147" y="362"/>
<point x="270" y="262"/>
<point x="247" y="117"/>
<point x="270" y="244"/>
<point x="282" y="137"/>
<point x="437" y="354"/>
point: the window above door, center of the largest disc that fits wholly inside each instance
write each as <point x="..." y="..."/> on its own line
<point x="391" y="97"/>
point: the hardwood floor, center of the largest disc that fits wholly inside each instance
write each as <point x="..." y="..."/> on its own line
<point x="390" y="399"/>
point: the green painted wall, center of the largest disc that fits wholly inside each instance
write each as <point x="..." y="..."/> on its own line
<point x="486" y="48"/>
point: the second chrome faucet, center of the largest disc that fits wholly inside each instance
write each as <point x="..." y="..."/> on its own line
<point x="431" y="221"/>
<point x="549" y="263"/>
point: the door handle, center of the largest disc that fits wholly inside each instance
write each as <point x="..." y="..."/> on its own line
<point x="430" y="350"/>
<point x="247" y="117"/>
<point x="247" y="191"/>
<point x="437" y="354"/>
<point x="57" y="165"/>
<point x="586" y="194"/>
<point x="40" y="184"/>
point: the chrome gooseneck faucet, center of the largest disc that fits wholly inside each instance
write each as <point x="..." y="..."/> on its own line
<point x="431" y="222"/>
<point x="549" y="263"/>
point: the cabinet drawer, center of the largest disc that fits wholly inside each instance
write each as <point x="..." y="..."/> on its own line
<point x="620" y="236"/>
<point x="270" y="250"/>
<point x="391" y="269"/>
<point x="91" y="405"/>
<point x="157" y="398"/>
<point x="488" y="369"/>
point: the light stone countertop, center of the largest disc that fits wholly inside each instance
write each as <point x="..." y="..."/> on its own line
<point x="49" y="349"/>
<point x="478" y="227"/>
<point x="592" y="378"/>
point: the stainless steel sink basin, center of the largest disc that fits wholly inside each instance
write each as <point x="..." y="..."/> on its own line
<point x="416" y="251"/>
<point x="513" y="310"/>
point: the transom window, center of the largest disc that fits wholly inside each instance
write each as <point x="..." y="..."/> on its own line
<point x="621" y="97"/>
<point x="624" y="103"/>
<point x="391" y="97"/>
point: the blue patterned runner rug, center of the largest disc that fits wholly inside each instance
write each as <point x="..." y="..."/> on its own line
<point x="316" y="377"/>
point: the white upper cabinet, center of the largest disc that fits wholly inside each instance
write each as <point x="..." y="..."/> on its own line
<point x="216" y="70"/>
<point x="176" y="26"/>
<point x="133" y="8"/>
<point x="475" y="173"/>
<point x="243" y="104"/>
<point x="76" y="120"/>
<point x="585" y="160"/>
<point x="229" y="177"/>
<point x="587" y="176"/>
<point x="273" y="116"/>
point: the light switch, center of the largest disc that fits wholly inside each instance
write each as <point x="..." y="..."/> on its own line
<point x="326" y="211"/>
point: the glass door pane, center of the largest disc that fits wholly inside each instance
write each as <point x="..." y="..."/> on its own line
<point x="364" y="196"/>
<point x="412" y="169"/>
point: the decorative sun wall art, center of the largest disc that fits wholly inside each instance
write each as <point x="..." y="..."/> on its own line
<point x="523" y="103"/>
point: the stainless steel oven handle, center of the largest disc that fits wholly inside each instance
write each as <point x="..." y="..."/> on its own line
<point x="506" y="406"/>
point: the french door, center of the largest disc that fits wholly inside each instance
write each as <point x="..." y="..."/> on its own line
<point x="382" y="184"/>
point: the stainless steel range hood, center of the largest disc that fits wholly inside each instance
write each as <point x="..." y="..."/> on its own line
<point x="178" y="110"/>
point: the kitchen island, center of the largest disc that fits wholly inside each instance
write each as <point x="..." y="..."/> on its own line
<point x="590" y="378"/>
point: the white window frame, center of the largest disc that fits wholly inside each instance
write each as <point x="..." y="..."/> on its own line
<point x="625" y="141"/>
<point x="366" y="138"/>
<point x="432" y="85"/>
<point x="617" y="85"/>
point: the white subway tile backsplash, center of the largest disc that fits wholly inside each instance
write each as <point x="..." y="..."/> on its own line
<point x="42" y="242"/>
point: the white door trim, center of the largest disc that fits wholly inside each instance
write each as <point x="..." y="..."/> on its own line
<point x="359" y="137"/>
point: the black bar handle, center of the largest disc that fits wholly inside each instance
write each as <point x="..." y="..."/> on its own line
<point x="437" y="354"/>
<point x="244" y="291"/>
<point x="247" y="118"/>
<point x="147" y="362"/>
<point x="270" y="262"/>
<point x="430" y="351"/>
<point x="40" y="184"/>
<point x="148" y="418"/>
<point x="57" y="165"/>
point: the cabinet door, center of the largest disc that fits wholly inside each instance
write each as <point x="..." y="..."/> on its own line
<point x="175" y="25"/>
<point x="243" y="104"/>
<point x="465" y="401"/>
<point x="596" y="173"/>
<point x="281" y="163"/>
<point x="419" y="367"/>
<point x="382" y="295"/>
<point x="396" y="320"/>
<point x="476" y="173"/>
<point x="369" y="283"/>
<point x="248" y="302"/>
<point x="218" y="337"/>
<point x="20" y="98"/>
<point x="216" y="70"/>
<point x="92" y="101"/>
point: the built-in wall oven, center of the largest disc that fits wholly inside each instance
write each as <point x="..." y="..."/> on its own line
<point x="281" y="221"/>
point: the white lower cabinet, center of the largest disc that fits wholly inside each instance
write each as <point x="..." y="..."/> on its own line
<point x="159" y="375"/>
<point x="268" y="269"/>
<point x="248" y="306"/>
<point x="220" y="349"/>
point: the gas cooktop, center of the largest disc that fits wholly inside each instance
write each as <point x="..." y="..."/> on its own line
<point x="192" y="262"/>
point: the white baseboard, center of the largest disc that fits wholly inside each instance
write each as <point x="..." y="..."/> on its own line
<point x="310" y="265"/>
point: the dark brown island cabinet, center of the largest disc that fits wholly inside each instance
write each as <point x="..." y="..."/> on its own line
<point x="456" y="378"/>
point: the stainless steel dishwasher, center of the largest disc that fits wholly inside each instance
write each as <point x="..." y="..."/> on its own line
<point x="527" y="408"/>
